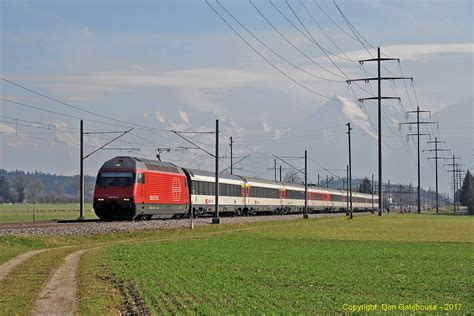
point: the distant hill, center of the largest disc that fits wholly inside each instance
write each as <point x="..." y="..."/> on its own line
<point x="20" y="186"/>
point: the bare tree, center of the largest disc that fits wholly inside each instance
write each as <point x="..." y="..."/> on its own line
<point x="34" y="190"/>
<point x="292" y="176"/>
<point x="19" y="184"/>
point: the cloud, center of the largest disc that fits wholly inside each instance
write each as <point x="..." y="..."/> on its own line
<point x="160" y="116"/>
<point x="413" y="51"/>
<point x="279" y="133"/>
<point x="184" y="117"/>
<point x="328" y="137"/>
<point x="266" y="127"/>
<point x="215" y="78"/>
<point x="7" y="129"/>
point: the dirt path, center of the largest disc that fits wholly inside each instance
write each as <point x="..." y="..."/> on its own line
<point x="58" y="297"/>
<point x="11" y="264"/>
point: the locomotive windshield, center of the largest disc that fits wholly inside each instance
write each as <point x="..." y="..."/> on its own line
<point x="115" y="179"/>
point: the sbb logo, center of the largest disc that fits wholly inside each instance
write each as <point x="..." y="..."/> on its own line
<point x="176" y="190"/>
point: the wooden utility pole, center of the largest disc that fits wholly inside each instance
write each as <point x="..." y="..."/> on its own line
<point x="373" y="193"/>
<point x="231" y="156"/>
<point x="81" y="174"/>
<point x="350" y="169"/>
<point x="216" y="219"/>
<point x="306" y="184"/>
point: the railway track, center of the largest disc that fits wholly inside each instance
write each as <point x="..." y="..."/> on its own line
<point x="56" y="228"/>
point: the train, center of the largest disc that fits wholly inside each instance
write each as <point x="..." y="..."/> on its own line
<point x="131" y="188"/>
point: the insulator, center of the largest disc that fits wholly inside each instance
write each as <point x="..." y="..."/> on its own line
<point x="409" y="127"/>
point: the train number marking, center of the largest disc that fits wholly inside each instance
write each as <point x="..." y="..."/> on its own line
<point x="154" y="197"/>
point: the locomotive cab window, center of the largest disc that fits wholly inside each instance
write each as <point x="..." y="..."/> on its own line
<point x="115" y="179"/>
<point x="140" y="178"/>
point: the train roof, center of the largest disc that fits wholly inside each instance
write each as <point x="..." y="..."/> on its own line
<point x="141" y="163"/>
<point x="209" y="174"/>
<point x="259" y="180"/>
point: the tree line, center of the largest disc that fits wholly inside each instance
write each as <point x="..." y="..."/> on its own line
<point x="466" y="194"/>
<point x="19" y="186"/>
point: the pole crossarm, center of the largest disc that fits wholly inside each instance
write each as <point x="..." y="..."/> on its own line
<point x="108" y="132"/>
<point x="381" y="98"/>
<point x="101" y="147"/>
<point x="197" y="146"/>
<point x="421" y="122"/>
<point x="124" y="148"/>
<point x="419" y="134"/>
<point x="233" y="164"/>
<point x="375" y="78"/>
<point x="436" y="141"/>
<point x="378" y="59"/>
<point x="437" y="150"/>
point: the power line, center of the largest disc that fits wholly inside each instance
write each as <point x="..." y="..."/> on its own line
<point x="327" y="36"/>
<point x="312" y="39"/>
<point x="354" y="31"/>
<point x="325" y="33"/>
<point x="266" y="59"/>
<point x="291" y="43"/>
<point x="334" y="22"/>
<point x="271" y="49"/>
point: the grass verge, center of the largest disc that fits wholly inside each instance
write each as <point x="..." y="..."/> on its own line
<point x="97" y="293"/>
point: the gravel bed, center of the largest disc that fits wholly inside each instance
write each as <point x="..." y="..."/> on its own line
<point x="88" y="228"/>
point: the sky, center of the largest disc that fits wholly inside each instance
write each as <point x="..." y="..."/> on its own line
<point x="175" y="65"/>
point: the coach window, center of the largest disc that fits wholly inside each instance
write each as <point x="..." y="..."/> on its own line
<point x="202" y="188"/>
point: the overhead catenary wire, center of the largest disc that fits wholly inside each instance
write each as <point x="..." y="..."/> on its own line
<point x="79" y="108"/>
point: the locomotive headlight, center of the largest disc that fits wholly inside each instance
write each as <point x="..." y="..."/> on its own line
<point x="126" y="199"/>
<point x="100" y="199"/>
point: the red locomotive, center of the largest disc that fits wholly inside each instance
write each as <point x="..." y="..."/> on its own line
<point x="132" y="188"/>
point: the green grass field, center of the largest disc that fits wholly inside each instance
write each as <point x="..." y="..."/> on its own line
<point x="290" y="267"/>
<point x="21" y="212"/>
<point x="304" y="267"/>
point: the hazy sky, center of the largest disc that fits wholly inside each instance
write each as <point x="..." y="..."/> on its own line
<point x="176" y="65"/>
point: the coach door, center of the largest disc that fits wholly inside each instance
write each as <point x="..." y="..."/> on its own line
<point x="282" y="196"/>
